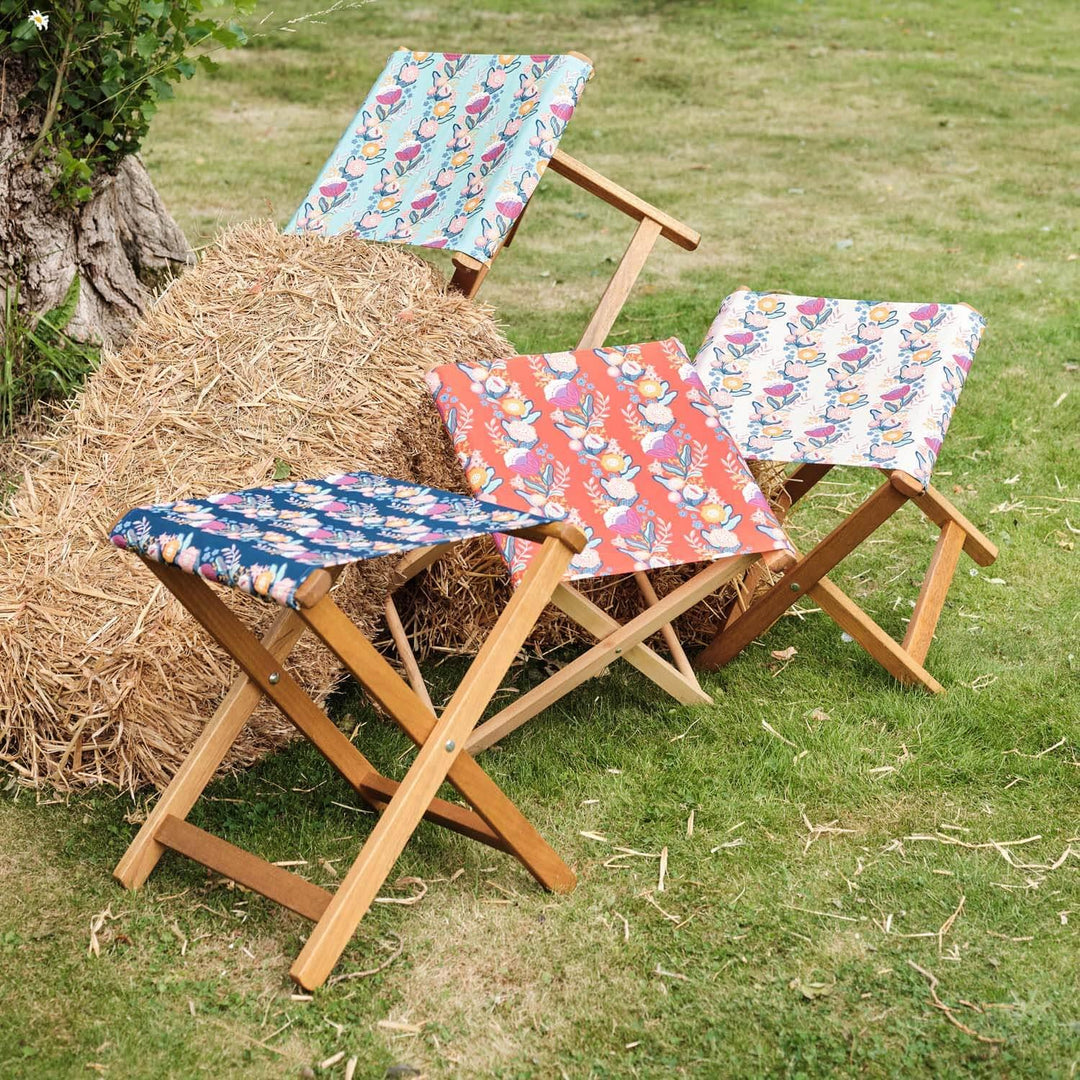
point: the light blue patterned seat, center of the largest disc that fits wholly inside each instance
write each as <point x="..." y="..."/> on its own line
<point x="265" y="541"/>
<point x="446" y="150"/>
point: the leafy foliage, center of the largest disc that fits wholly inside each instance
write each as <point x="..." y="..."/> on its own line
<point x="101" y="67"/>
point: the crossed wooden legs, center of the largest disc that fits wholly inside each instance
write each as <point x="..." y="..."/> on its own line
<point x="492" y="819"/>
<point x="750" y="617"/>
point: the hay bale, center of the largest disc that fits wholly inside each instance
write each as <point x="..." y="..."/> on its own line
<point x="273" y="349"/>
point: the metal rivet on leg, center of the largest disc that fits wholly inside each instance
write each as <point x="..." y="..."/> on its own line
<point x="450" y="745"/>
<point x="795" y="586"/>
<point x="273" y="678"/>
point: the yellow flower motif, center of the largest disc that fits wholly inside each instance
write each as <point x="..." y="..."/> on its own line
<point x="441" y="109"/>
<point x="370" y="149"/>
<point x="894" y="436"/>
<point x="879" y="313"/>
<point x="476" y="476"/>
<point x="732" y="382"/>
<point x="388" y="202"/>
<point x="513" y="406"/>
<point x="767" y="304"/>
<point x="472" y="204"/>
<point x="923" y="355"/>
<point x="649" y="388"/>
<point x="420" y="57"/>
<point x="711" y="513"/>
<point x="170" y="549"/>
<point x="262" y="582"/>
<point x="849" y="397"/>
<point x="611" y="462"/>
<point x="459" y="158"/>
<point x="807" y="354"/>
<point x="526" y="108"/>
<point x="772" y="430"/>
<point x="505" y="58"/>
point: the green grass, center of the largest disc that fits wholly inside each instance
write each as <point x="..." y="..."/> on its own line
<point x="940" y="140"/>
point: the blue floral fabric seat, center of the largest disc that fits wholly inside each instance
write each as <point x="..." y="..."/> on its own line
<point x="446" y="150"/>
<point x="265" y="541"/>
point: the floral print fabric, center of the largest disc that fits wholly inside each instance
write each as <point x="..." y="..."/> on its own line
<point x="265" y="541"/>
<point x="848" y="382"/>
<point x="608" y="439"/>
<point x="446" y="150"/>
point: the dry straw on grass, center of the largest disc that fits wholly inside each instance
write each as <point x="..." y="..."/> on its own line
<point x="274" y="349"/>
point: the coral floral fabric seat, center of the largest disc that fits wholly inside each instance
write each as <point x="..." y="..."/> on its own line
<point x="609" y="440"/>
<point x="820" y="382"/>
<point x="446" y="150"/>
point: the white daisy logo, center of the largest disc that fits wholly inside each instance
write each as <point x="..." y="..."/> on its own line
<point x="39" y="20"/>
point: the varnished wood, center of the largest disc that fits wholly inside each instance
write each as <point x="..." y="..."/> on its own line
<point x="622" y="282"/>
<point x="667" y="631"/>
<point x="405" y="652"/>
<point x="205" y="757"/>
<point x="626" y="201"/>
<point x="570" y="535"/>
<point x="801" y="481"/>
<point x="935" y="586"/>
<point x="289" y="890"/>
<point x="611" y="648"/>
<point x="469" y="274"/>
<point x="429" y="769"/>
<point x="887" y="652"/>
<point x="940" y="510"/>
<point x="801" y="577"/>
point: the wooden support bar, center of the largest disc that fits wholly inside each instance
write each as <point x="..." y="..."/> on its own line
<point x="940" y="510"/>
<point x="205" y="757"/>
<point x="614" y="646"/>
<point x="469" y="274"/>
<point x="404" y="648"/>
<point x="245" y="869"/>
<point x="626" y="201"/>
<point x="622" y="282"/>
<point x="415" y="562"/>
<point x="801" y="481"/>
<point x="667" y="631"/>
<point x="887" y="652"/>
<point x="801" y="577"/>
<point x="935" y="586"/>
<point x="438" y="754"/>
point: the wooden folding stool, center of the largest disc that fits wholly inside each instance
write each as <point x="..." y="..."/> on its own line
<point x="448" y="148"/>
<point x="287" y="543"/>
<point x="609" y="441"/>
<point x="819" y="383"/>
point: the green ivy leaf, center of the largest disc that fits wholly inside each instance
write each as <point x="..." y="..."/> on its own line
<point x="146" y="45"/>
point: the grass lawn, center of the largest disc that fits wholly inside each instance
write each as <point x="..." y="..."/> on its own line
<point x="841" y="858"/>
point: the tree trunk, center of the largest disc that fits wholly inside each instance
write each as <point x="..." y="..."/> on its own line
<point x="122" y="243"/>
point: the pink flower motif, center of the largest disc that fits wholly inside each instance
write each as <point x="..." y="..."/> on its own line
<point x="898" y="394"/>
<point x="438" y="242"/>
<point x="496" y="77"/>
<point x="408" y="74"/>
<point x="839" y="413"/>
<point x="853" y="356"/>
<point x="934" y="446"/>
<point x="424" y="201"/>
<point x="963" y="362"/>
<point x="756" y="320"/>
<point x="492" y="152"/>
<point x="795" y="369"/>
<point x="740" y="338"/>
<point x="511" y="129"/>
<point x="452" y="56"/>
<point x="759" y="442"/>
<point x="660" y="445"/>
<point x="408" y="151"/>
<point x="332" y="191"/>
<point x="388" y="97"/>
<point x="562" y="110"/>
<point x="624" y="520"/>
<point x="370" y="221"/>
<point x="224" y="500"/>
<point x="821" y="432"/>
<point x="911" y="371"/>
<point x="564" y="393"/>
<point x="356" y="167"/>
<point x="882" y="452"/>
<point x="870" y="332"/>
<point x="812" y="307"/>
<point x="456" y="224"/>
<point x="721" y="398"/>
<point x="427" y="128"/>
<point x="477" y="104"/>
<point x="528" y="184"/>
<point x="540" y="59"/>
<point x="445" y="178"/>
<point x="523" y="462"/>
<point x="925" y="313"/>
<point x="509" y="207"/>
<point x="780" y="389"/>
<point x="188" y="559"/>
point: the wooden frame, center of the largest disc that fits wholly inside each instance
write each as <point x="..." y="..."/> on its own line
<point x="490" y="817"/>
<point x="752" y="616"/>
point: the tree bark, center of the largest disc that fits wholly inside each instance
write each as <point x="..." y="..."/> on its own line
<point x="122" y="243"/>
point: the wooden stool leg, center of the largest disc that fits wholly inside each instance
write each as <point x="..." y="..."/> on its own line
<point x="935" y="586"/>
<point x="802" y="577"/>
<point x="469" y="274"/>
<point x="438" y="754"/>
<point x="667" y="631"/>
<point x="206" y="755"/>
